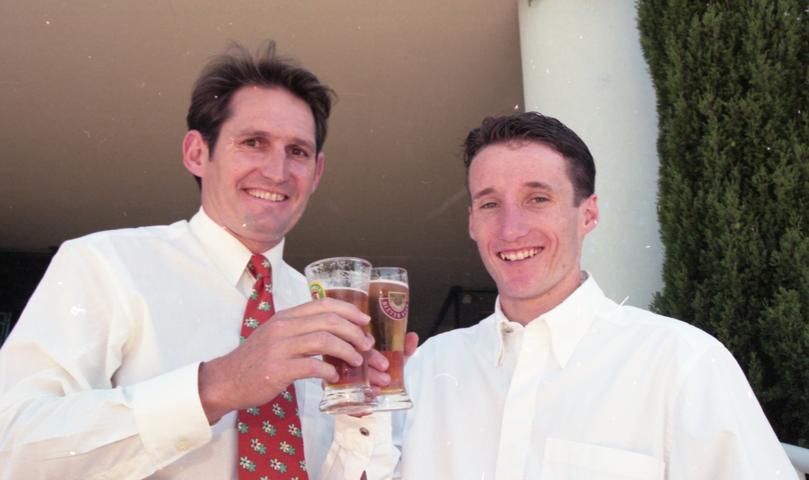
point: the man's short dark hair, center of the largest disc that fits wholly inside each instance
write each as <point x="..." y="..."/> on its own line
<point x="535" y="127"/>
<point x="225" y="74"/>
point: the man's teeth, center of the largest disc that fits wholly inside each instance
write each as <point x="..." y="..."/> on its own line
<point x="518" y="254"/>
<point x="264" y="195"/>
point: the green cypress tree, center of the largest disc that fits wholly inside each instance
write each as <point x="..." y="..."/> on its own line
<point x="732" y="83"/>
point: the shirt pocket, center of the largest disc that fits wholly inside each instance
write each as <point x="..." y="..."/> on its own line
<point x="568" y="460"/>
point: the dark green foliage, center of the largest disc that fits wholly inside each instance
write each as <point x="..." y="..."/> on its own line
<point x="732" y="82"/>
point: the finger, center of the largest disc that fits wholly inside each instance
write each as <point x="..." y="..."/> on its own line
<point x="377" y="361"/>
<point x="313" y="368"/>
<point x="325" y="343"/>
<point x="411" y="343"/>
<point x="328" y="305"/>
<point x="320" y="322"/>
<point x="377" y="378"/>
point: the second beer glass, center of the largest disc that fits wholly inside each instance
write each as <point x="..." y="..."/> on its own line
<point x="346" y="279"/>
<point x="388" y="305"/>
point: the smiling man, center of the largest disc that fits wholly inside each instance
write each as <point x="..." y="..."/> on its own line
<point x="561" y="382"/>
<point x="191" y="350"/>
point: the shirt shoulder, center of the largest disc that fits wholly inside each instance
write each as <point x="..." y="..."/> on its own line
<point x="135" y="243"/>
<point x="477" y="340"/>
<point x="132" y="256"/>
<point x="466" y="335"/>
<point x="670" y="344"/>
<point x="659" y="328"/>
<point x="123" y="236"/>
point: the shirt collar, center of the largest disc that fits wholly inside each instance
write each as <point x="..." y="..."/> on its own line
<point x="567" y="322"/>
<point x="226" y="251"/>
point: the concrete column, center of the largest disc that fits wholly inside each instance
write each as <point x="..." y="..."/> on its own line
<point x="582" y="63"/>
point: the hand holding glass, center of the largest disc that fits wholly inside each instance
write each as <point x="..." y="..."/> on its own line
<point x="346" y="279"/>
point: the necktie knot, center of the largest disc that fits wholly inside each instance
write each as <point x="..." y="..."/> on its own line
<point x="259" y="267"/>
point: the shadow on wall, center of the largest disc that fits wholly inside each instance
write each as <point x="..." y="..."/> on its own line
<point x="20" y="273"/>
<point x="463" y="308"/>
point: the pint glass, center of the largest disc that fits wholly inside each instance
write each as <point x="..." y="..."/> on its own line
<point x="388" y="304"/>
<point x="346" y="279"/>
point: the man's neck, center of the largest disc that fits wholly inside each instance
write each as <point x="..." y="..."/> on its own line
<point x="525" y="310"/>
<point x="255" y="245"/>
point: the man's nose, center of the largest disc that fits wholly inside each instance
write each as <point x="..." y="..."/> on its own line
<point x="274" y="165"/>
<point x="513" y="223"/>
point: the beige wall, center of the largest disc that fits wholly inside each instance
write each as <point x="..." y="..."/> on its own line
<point x="582" y="63"/>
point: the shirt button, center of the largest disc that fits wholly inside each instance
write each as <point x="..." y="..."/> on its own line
<point x="364" y="431"/>
<point x="182" y="445"/>
<point x="507" y="329"/>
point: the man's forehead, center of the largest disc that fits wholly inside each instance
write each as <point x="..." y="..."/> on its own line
<point x="518" y="144"/>
<point x="268" y="110"/>
<point x="527" y="155"/>
<point x="518" y="165"/>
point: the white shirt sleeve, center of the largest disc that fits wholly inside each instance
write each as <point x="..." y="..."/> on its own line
<point x="361" y="445"/>
<point x="718" y="430"/>
<point x="61" y="413"/>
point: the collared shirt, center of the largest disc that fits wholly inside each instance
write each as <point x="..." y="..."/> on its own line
<point x="99" y="377"/>
<point x="590" y="389"/>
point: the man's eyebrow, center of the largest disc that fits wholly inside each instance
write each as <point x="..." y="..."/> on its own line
<point x="304" y="143"/>
<point x="533" y="184"/>
<point x="540" y="185"/>
<point x="483" y="193"/>
<point x="251" y="132"/>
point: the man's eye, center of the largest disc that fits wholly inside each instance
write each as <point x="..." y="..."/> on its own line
<point x="539" y="199"/>
<point x="252" y="142"/>
<point x="488" y="205"/>
<point x="298" y="152"/>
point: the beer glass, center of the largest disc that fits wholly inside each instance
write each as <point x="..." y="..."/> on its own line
<point x="346" y="279"/>
<point x="388" y="305"/>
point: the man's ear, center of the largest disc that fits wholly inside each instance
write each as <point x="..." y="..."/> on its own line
<point x="469" y="221"/>
<point x="195" y="153"/>
<point x="590" y="213"/>
<point x="320" y="165"/>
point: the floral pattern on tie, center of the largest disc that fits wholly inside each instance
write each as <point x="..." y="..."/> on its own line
<point x="270" y="437"/>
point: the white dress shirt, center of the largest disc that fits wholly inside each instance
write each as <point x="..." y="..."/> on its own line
<point x="589" y="390"/>
<point x="99" y="377"/>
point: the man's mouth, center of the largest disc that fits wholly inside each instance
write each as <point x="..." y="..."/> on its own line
<point x="265" y="195"/>
<point x="515" y="255"/>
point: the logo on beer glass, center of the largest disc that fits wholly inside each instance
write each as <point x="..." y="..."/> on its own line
<point x="394" y="305"/>
<point x="317" y="290"/>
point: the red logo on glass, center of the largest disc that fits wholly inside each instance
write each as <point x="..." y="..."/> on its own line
<point x="394" y="305"/>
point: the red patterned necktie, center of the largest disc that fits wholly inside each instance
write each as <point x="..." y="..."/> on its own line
<point x="270" y="438"/>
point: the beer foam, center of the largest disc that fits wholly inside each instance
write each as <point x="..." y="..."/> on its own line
<point x="385" y="280"/>
<point x="340" y="287"/>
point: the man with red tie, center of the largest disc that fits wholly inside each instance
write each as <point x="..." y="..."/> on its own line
<point x="190" y="350"/>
